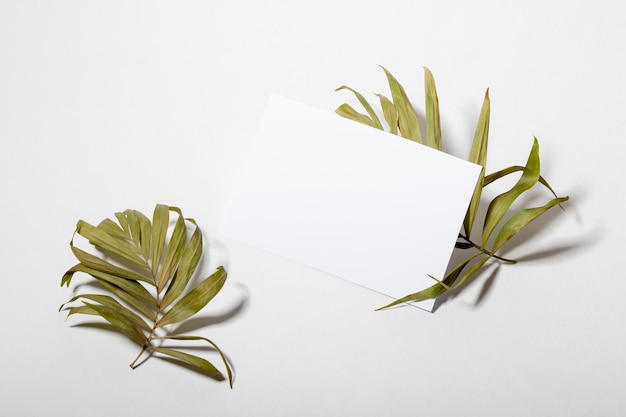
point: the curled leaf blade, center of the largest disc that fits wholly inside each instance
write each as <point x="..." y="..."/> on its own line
<point x="131" y="287"/>
<point x="347" y="111"/>
<point x="100" y="264"/>
<point x="499" y="206"/>
<point x="510" y="170"/>
<point x="366" y="105"/>
<point x="119" y="247"/>
<point x="113" y="304"/>
<point x="226" y="363"/>
<point x="193" y="360"/>
<point x="521" y="219"/>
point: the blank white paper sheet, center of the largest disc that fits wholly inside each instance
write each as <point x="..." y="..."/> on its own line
<point x="366" y="206"/>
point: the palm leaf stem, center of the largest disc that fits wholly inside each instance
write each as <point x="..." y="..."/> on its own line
<point x="485" y="251"/>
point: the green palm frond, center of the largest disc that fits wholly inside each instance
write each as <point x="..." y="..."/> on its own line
<point x="403" y="121"/>
<point x="145" y="278"/>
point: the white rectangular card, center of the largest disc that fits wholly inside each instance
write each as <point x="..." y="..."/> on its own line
<point x="372" y="208"/>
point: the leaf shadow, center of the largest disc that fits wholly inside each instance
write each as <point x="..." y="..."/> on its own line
<point x="540" y="226"/>
<point x="200" y="322"/>
<point x="485" y="290"/>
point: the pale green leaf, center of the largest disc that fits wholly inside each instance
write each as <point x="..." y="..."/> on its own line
<point x="370" y="111"/>
<point x="99" y="264"/>
<point x="188" y="263"/>
<point x="472" y="210"/>
<point x="407" y="117"/>
<point x="111" y="244"/>
<point x="196" y="299"/>
<point x="172" y="254"/>
<point x="499" y="206"/>
<point x="175" y="261"/>
<point x="192" y="360"/>
<point x="114" y="305"/>
<point x="123" y="223"/>
<point x="478" y="155"/>
<point x="473" y="269"/>
<point x="433" y="124"/>
<point x="131" y="287"/>
<point x="347" y="111"/>
<point x="390" y="113"/>
<point x="520" y="220"/>
<point x="133" y="224"/>
<point x="510" y="170"/>
<point x="434" y="290"/>
<point x="226" y="363"/>
<point x="160" y="221"/>
<point x="136" y="303"/>
<point x="120" y="322"/>
<point x="478" y="152"/>
<point x="113" y="229"/>
<point x="81" y="310"/>
<point x="145" y="232"/>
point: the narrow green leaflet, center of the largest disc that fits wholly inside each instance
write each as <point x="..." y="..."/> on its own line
<point x="120" y="322"/>
<point x="472" y="210"/>
<point x="370" y="111"/>
<point x="402" y="119"/>
<point x="478" y="152"/>
<point x="196" y="299"/>
<point x="114" y="229"/>
<point x="160" y="220"/>
<point x="473" y="269"/>
<point x="510" y="170"/>
<point x="407" y="117"/>
<point x="133" y="262"/>
<point x="390" y="113"/>
<point x="113" y="304"/>
<point x="434" y="290"/>
<point x="433" y="124"/>
<point x="198" y="338"/>
<point x="521" y="220"/>
<point x="120" y="247"/>
<point x="499" y="206"/>
<point x="347" y="111"/>
<point x="145" y="231"/>
<point x="192" y="360"/>
<point x="187" y="266"/>
<point x="130" y="286"/>
<point x="478" y="155"/>
<point x="102" y="265"/>
<point x="147" y="308"/>
<point x="172" y="254"/>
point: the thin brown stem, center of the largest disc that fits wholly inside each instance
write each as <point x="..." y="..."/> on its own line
<point x="486" y="252"/>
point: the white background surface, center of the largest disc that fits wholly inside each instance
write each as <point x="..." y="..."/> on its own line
<point x="113" y="105"/>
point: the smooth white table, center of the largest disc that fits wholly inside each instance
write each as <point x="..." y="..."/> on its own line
<point x="112" y="105"/>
